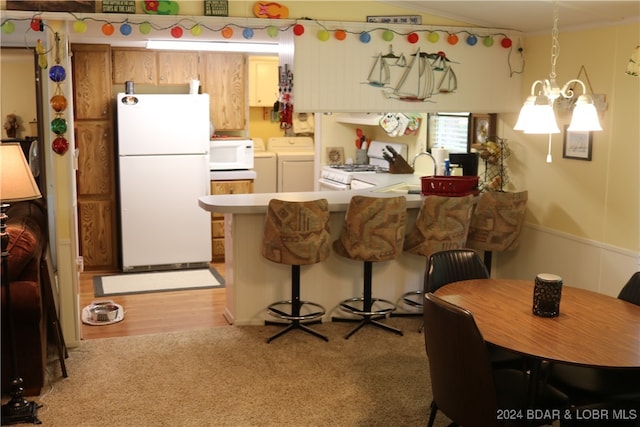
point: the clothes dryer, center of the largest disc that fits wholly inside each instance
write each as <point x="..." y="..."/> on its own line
<point x="266" y="167"/>
<point x="295" y="159"/>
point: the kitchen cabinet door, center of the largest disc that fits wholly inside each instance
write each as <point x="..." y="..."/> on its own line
<point x="95" y="176"/>
<point x="96" y="227"/>
<point x="136" y="65"/>
<point x="225" y="80"/>
<point x="263" y="81"/>
<point x="178" y="67"/>
<point x="217" y="219"/>
<point x="91" y="82"/>
<point x="94" y="140"/>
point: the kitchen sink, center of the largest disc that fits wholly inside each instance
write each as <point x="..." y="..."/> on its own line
<point x="402" y="188"/>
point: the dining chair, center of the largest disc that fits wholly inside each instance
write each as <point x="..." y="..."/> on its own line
<point x="631" y="290"/>
<point x="444" y="267"/>
<point x="599" y="386"/>
<point x="464" y="385"/>
<point x="455" y="265"/>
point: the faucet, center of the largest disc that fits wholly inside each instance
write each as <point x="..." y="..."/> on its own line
<point x="424" y="153"/>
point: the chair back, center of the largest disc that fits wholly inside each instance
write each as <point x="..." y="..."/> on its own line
<point x="442" y="223"/>
<point x="461" y="375"/>
<point x="296" y="233"/>
<point x="496" y="224"/>
<point x="373" y="229"/>
<point x="446" y="267"/>
<point x="631" y="291"/>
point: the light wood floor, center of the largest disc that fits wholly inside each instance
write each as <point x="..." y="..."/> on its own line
<point x="157" y="312"/>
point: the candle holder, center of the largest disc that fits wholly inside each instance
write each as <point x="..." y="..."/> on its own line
<point x="546" y="295"/>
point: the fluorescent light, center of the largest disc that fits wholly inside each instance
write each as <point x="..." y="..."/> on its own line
<point x="214" y="46"/>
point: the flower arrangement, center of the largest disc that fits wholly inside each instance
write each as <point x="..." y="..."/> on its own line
<point x="11" y="125"/>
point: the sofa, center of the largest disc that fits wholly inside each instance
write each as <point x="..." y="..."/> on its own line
<point x="27" y="230"/>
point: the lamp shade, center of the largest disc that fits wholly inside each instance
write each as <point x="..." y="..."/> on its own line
<point x="16" y="181"/>
<point x="585" y="116"/>
<point x="525" y="114"/>
<point x="539" y="116"/>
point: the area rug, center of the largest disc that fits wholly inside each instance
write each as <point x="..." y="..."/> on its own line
<point x="162" y="281"/>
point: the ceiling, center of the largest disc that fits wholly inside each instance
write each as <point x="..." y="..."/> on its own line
<point x="529" y="16"/>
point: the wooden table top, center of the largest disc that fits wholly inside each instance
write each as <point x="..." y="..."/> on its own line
<point x="592" y="329"/>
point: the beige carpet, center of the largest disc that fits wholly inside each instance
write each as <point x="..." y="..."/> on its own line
<point x="229" y="376"/>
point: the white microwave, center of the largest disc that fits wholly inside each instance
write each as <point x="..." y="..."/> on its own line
<point x="230" y="154"/>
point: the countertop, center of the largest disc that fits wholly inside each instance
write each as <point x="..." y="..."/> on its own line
<point x="338" y="200"/>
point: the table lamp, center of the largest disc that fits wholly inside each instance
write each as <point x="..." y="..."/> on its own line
<point x="16" y="184"/>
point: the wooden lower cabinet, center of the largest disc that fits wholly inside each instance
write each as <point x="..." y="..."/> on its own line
<point x="96" y="220"/>
<point x="241" y="186"/>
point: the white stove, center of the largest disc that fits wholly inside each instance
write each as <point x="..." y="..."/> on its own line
<point x="345" y="177"/>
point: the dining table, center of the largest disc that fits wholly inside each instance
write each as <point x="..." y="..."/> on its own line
<point x="592" y="329"/>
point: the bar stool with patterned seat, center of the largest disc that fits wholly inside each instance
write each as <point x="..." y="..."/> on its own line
<point x="496" y="223"/>
<point x="373" y="231"/>
<point x="296" y="233"/>
<point x="442" y="224"/>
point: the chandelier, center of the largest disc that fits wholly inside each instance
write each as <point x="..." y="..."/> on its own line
<point x="537" y="115"/>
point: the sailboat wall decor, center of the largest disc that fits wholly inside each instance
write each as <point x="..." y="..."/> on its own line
<point x="417" y="81"/>
<point x="336" y="75"/>
<point x="379" y="75"/>
<point x="447" y="81"/>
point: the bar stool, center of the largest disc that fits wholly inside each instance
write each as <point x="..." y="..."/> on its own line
<point x="496" y="224"/>
<point x="373" y="231"/>
<point x="442" y="224"/>
<point x="296" y="233"/>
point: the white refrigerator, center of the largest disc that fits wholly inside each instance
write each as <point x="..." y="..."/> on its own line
<point x="163" y="159"/>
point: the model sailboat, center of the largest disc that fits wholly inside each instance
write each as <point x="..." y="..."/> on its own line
<point x="416" y="84"/>
<point x="447" y="82"/>
<point x="379" y="75"/>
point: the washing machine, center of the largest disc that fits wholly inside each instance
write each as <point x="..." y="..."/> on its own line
<point x="295" y="159"/>
<point x="266" y="167"/>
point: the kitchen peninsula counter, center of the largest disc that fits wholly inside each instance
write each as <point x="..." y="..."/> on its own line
<point x="252" y="282"/>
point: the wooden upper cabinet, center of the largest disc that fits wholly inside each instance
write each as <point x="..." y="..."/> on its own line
<point x="225" y="80"/>
<point x="91" y="82"/>
<point x="136" y="65"/>
<point x="178" y="67"/>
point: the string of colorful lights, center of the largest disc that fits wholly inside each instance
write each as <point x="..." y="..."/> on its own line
<point x="227" y="30"/>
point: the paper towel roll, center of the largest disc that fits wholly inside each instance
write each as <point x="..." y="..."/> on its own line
<point x="440" y="154"/>
<point x="194" y="85"/>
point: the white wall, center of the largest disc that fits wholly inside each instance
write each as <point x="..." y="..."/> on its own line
<point x="584" y="216"/>
<point x="18" y="88"/>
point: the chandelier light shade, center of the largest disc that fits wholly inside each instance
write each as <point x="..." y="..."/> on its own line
<point x="585" y="115"/>
<point x="537" y="115"/>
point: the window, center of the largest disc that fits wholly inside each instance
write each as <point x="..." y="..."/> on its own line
<point x="449" y="131"/>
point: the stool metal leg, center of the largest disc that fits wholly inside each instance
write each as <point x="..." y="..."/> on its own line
<point x="369" y="316"/>
<point x="295" y="318"/>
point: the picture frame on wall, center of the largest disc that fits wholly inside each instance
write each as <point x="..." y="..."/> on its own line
<point x="577" y="145"/>
<point x="396" y="19"/>
<point x="118" y="6"/>
<point x="84" y="6"/>
<point x="481" y="127"/>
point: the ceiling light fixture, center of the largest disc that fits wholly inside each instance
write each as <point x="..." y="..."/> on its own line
<point x="537" y="115"/>
<point x="214" y="46"/>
